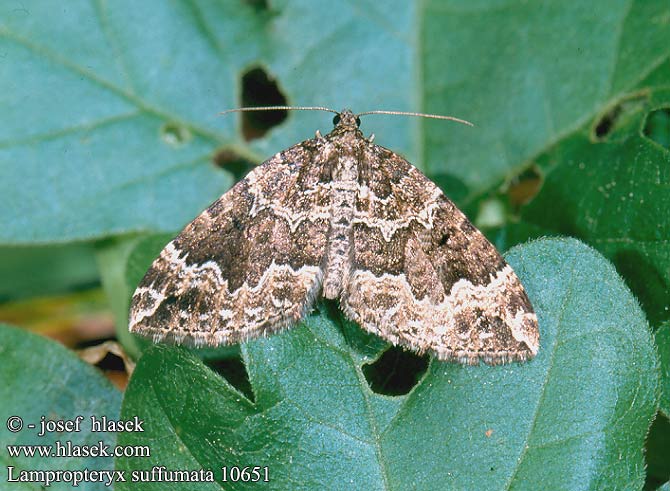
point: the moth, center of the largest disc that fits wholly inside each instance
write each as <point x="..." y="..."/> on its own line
<point x="339" y="217"/>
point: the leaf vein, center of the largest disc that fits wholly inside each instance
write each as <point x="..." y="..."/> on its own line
<point x="104" y="84"/>
<point x="550" y="365"/>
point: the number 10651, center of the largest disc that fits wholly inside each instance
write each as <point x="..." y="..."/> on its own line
<point x="245" y="474"/>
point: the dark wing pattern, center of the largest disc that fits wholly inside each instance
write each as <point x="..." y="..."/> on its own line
<point x="424" y="277"/>
<point x="249" y="265"/>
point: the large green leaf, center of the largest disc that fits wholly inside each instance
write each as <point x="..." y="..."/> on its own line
<point x="528" y="73"/>
<point x="113" y="115"/>
<point x="573" y="418"/>
<point x="39" y="377"/>
<point x="110" y="107"/>
<point x="614" y="193"/>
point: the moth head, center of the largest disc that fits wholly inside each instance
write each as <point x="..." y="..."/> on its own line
<point x="346" y="120"/>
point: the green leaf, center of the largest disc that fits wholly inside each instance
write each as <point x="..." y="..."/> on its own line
<point x="39" y="378"/>
<point x="662" y="337"/>
<point x="613" y="191"/>
<point x="573" y="418"/>
<point x="528" y="73"/>
<point x="46" y="270"/>
<point x="123" y="138"/>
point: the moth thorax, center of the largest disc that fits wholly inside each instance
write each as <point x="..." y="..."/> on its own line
<point x="342" y="199"/>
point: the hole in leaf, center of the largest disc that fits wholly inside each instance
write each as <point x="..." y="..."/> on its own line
<point x="175" y="134"/>
<point x="234" y="163"/>
<point x="259" y="89"/>
<point x="657" y="127"/>
<point x="618" y="116"/>
<point x="524" y="187"/>
<point x="396" y="372"/>
<point x="234" y="371"/>
<point x="604" y="126"/>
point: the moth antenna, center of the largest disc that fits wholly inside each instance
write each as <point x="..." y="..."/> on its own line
<point x="421" y="115"/>
<point x="278" y="108"/>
